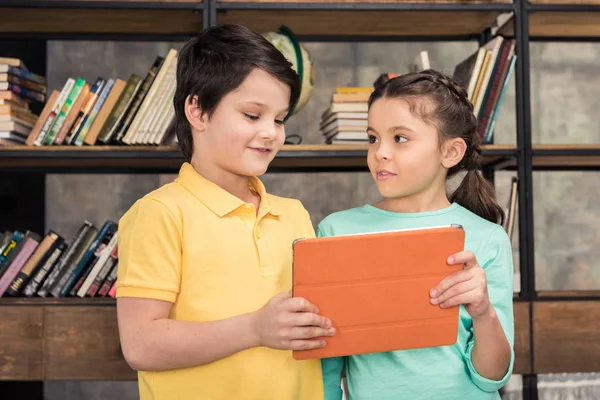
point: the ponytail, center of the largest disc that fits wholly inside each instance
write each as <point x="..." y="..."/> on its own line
<point x="476" y="194"/>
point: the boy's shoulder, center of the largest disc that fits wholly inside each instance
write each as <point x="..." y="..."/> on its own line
<point x="161" y="200"/>
<point x="168" y="194"/>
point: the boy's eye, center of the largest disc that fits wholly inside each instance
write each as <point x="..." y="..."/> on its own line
<point x="399" y="139"/>
<point x="251" y="117"/>
<point x="372" y="139"/>
<point x="280" y="122"/>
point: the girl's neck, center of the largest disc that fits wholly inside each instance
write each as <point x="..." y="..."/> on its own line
<point x="237" y="185"/>
<point x="415" y="203"/>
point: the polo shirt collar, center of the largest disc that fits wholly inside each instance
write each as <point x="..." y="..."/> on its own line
<point x="217" y="199"/>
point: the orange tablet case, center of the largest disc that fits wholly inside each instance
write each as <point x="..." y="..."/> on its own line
<point x="375" y="289"/>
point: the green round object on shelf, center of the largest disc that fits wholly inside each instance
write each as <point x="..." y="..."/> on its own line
<point x="285" y="41"/>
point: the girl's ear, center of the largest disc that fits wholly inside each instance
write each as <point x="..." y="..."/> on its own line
<point x="194" y="114"/>
<point x="453" y="151"/>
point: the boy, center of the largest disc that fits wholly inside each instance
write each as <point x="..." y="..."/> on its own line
<point x="202" y="259"/>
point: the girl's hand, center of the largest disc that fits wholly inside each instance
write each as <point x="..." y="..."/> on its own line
<point x="467" y="287"/>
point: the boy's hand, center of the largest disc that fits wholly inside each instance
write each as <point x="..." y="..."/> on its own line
<point x="467" y="287"/>
<point x="288" y="323"/>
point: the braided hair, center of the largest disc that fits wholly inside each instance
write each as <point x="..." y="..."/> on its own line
<point x="441" y="101"/>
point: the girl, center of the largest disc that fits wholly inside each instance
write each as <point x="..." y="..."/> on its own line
<point x="422" y="131"/>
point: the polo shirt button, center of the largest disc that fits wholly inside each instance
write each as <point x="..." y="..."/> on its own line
<point x="257" y="235"/>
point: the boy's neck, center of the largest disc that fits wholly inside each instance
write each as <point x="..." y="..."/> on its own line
<point x="237" y="185"/>
<point x="416" y="203"/>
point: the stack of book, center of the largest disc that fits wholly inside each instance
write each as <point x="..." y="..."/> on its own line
<point x="485" y="74"/>
<point x="345" y="120"/>
<point x="18" y="88"/>
<point x="138" y="111"/>
<point x="85" y="266"/>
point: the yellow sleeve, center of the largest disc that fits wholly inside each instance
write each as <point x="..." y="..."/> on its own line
<point x="150" y="246"/>
<point x="307" y="229"/>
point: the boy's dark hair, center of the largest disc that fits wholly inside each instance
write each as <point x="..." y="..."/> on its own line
<point x="216" y="62"/>
<point x="441" y="101"/>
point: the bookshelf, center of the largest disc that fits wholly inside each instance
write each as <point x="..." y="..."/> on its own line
<point x="77" y="339"/>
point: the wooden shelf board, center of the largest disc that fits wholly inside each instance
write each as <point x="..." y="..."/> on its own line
<point x="315" y="156"/>
<point x="21" y="337"/>
<point x="167" y="158"/>
<point x="567" y="336"/>
<point x="564" y="24"/>
<point x="522" y="338"/>
<point x="565" y="2"/>
<point x="62" y="301"/>
<point x="340" y="23"/>
<point x="173" y="21"/>
<point x="83" y="343"/>
<point x="569" y="293"/>
<point x="374" y="1"/>
<point x="60" y="339"/>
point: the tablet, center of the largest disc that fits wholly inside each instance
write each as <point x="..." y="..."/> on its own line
<point x="375" y="288"/>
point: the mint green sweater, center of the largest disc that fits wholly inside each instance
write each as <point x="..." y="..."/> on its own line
<point x="436" y="373"/>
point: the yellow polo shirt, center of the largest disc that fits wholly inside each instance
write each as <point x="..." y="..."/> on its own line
<point x="194" y="244"/>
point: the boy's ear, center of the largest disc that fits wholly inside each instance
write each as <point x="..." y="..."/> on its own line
<point x="453" y="152"/>
<point x="194" y="114"/>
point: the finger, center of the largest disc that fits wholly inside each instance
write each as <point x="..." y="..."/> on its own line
<point x="310" y="332"/>
<point x="463" y="257"/>
<point x="459" y="288"/>
<point x="300" y="304"/>
<point x="449" y="281"/>
<point x="311" y="319"/>
<point x="463" y="298"/>
<point x="306" y="344"/>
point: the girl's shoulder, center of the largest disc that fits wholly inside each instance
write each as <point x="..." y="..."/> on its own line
<point x="482" y="234"/>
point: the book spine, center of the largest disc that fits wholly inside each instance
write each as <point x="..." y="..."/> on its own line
<point x="90" y="120"/>
<point x="85" y="111"/>
<point x="36" y="87"/>
<point x="30" y="243"/>
<point x="40" y="276"/>
<point x="101" y="277"/>
<point x="62" y="97"/>
<point x="26" y="92"/>
<point x="108" y="229"/>
<point x="109" y="282"/>
<point x="95" y="270"/>
<point x="140" y="96"/>
<point x="113" y="290"/>
<point x="116" y="116"/>
<point x="10" y="250"/>
<point x="38" y="257"/>
<point x="30" y="76"/>
<point x="68" y="270"/>
<point x="64" y="111"/>
<point x="65" y="259"/>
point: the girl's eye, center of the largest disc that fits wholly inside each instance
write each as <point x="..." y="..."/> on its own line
<point x="279" y="122"/>
<point x="372" y="139"/>
<point x="251" y="117"/>
<point x="399" y="139"/>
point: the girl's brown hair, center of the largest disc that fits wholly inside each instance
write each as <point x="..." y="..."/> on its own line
<point x="441" y="101"/>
